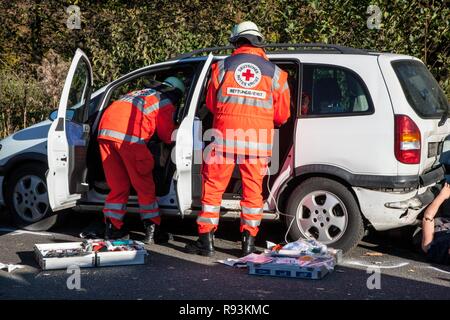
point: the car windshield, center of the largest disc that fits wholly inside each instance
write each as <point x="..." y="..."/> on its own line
<point x="421" y="89"/>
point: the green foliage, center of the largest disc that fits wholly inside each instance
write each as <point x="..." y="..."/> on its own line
<point x="22" y="102"/>
<point x="120" y="35"/>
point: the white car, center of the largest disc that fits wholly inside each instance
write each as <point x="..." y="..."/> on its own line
<point x="363" y="152"/>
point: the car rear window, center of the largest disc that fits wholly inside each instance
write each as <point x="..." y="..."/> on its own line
<point x="420" y="88"/>
<point x="332" y="91"/>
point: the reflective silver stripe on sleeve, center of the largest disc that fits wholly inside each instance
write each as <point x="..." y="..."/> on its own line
<point x="120" y="136"/>
<point x="151" y="108"/>
<point x="214" y="221"/>
<point x="209" y="208"/>
<point x="221" y="67"/>
<point x="285" y="87"/>
<point x="164" y="102"/>
<point x="251" y="223"/>
<point x="265" y="104"/>
<point x="248" y="210"/>
<point x="151" y="206"/>
<point x="243" y="144"/>
<point x="115" y="206"/>
<point x="156" y="106"/>
<point x="276" y="78"/>
<point x="149" y="215"/>
<point x="137" y="102"/>
<point x="114" y="215"/>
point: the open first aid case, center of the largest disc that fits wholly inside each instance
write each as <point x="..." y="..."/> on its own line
<point x="90" y="254"/>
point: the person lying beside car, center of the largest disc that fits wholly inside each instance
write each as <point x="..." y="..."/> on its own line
<point x="436" y="231"/>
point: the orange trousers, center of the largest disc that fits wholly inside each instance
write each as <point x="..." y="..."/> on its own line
<point x="126" y="165"/>
<point x="216" y="177"/>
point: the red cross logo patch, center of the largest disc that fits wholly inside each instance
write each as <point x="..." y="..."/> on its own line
<point x="247" y="75"/>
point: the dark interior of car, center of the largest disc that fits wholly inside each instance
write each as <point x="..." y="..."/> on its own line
<point x="164" y="167"/>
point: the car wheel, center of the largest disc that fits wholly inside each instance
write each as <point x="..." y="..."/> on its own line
<point x="325" y="210"/>
<point x="27" y="199"/>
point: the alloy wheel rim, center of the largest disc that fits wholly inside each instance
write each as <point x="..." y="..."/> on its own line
<point x="323" y="216"/>
<point x="30" y="198"/>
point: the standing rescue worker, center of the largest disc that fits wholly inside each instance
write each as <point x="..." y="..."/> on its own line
<point x="126" y="127"/>
<point x="247" y="95"/>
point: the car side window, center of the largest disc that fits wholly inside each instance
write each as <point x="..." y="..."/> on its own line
<point x="333" y="90"/>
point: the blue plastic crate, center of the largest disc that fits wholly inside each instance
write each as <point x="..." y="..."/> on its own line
<point x="287" y="271"/>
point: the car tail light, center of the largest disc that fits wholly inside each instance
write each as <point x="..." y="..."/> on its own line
<point x="407" y="140"/>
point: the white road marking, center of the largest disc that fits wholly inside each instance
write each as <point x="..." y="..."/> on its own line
<point x="15" y="232"/>
<point x="367" y="265"/>
<point x="437" y="269"/>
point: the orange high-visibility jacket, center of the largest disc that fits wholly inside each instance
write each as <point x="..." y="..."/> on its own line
<point x="136" y="116"/>
<point x="247" y="94"/>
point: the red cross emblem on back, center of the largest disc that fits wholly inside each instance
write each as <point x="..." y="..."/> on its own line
<point x="248" y="75"/>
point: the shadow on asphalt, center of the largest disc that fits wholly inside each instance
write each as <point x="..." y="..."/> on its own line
<point x="395" y="242"/>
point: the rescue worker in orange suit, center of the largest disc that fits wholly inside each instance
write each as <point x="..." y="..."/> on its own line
<point x="126" y="127"/>
<point x="246" y="92"/>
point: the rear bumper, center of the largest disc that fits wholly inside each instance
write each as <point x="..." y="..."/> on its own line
<point x="390" y="210"/>
<point x="434" y="176"/>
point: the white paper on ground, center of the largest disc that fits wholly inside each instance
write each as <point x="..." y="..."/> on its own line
<point x="270" y="245"/>
<point x="233" y="263"/>
<point x="16" y="232"/>
<point x="242" y="262"/>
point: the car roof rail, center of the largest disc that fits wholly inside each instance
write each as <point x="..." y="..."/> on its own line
<point x="317" y="46"/>
<point x="204" y="50"/>
<point x="299" y="46"/>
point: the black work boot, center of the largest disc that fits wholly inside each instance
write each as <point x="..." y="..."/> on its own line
<point x="112" y="233"/>
<point x="155" y="234"/>
<point x="248" y="243"/>
<point x="204" y="246"/>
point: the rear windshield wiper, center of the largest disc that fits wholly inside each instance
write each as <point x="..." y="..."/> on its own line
<point x="444" y="118"/>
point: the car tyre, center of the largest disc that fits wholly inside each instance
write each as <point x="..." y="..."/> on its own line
<point x="27" y="199"/>
<point x="326" y="210"/>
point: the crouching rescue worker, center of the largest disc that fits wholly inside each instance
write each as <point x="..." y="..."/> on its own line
<point x="247" y="95"/>
<point x="126" y="127"/>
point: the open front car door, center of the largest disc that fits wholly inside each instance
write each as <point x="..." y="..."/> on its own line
<point x="68" y="137"/>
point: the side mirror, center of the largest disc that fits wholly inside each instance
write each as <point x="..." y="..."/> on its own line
<point x="54" y="114"/>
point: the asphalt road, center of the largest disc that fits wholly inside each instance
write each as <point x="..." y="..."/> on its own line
<point x="172" y="274"/>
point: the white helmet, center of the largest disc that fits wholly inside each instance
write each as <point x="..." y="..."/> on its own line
<point x="247" y="30"/>
<point x="175" y="82"/>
